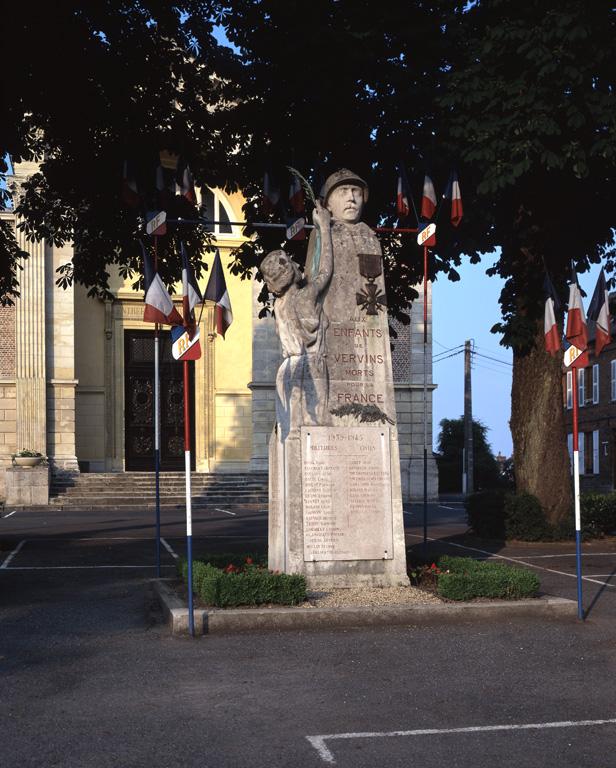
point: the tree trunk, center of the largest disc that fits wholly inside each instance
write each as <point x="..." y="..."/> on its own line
<point x="540" y="456"/>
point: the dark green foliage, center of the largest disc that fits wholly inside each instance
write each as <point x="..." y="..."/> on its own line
<point x="485" y="513"/>
<point x="469" y="579"/>
<point x="598" y="511"/>
<point x="525" y="519"/>
<point x="449" y="460"/>
<point x="253" y="585"/>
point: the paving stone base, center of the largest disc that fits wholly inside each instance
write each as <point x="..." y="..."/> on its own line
<point x="276" y="619"/>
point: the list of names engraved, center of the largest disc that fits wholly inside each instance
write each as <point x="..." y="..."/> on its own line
<point x="346" y="490"/>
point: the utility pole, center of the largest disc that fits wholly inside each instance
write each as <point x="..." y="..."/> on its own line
<point x="467" y="470"/>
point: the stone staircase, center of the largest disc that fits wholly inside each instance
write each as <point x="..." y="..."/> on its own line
<point x="136" y="490"/>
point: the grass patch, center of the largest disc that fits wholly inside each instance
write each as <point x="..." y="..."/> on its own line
<point x="463" y="578"/>
<point x="245" y="584"/>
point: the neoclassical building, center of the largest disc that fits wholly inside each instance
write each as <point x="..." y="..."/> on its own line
<point x="76" y="374"/>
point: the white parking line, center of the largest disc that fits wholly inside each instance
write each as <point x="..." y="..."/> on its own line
<point x="318" y="742"/>
<point x="226" y="511"/>
<point x="169" y="548"/>
<point x="442" y="506"/>
<point x="12" y="554"/>
<point x="516" y="560"/>
<point x="10" y="514"/>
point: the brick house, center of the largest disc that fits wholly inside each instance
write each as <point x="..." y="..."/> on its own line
<point x="596" y="415"/>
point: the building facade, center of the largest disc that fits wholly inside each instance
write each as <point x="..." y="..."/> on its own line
<point x="596" y="392"/>
<point x="76" y="374"/>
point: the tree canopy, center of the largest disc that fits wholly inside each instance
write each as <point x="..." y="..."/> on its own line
<point x="450" y="457"/>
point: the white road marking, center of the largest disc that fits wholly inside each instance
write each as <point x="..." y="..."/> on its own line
<point x="318" y="742"/>
<point x="12" y="554"/>
<point x="442" y="506"/>
<point x="226" y="511"/>
<point x="77" y="567"/>
<point x="10" y="514"/>
<point x="169" y="548"/>
<point x="601" y="575"/>
<point x="517" y="560"/>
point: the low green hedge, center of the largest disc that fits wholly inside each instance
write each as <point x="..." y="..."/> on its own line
<point x="463" y="578"/>
<point x="253" y="585"/>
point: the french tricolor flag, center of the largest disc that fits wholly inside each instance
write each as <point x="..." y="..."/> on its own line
<point x="158" y="304"/>
<point x="184" y="183"/>
<point x="191" y="295"/>
<point x="552" y="337"/>
<point x="428" y="198"/>
<point x="599" y="311"/>
<point x="216" y="291"/>
<point x="453" y="193"/>
<point x="576" y="333"/>
<point x="403" y="194"/>
<point x="271" y="193"/>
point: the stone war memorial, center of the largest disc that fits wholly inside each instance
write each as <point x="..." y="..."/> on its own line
<point x="335" y="503"/>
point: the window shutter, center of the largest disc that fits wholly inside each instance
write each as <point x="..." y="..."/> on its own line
<point x="570" y="388"/>
<point x="581" y="392"/>
<point x="570" y="448"/>
<point x="581" y="456"/>
<point x="595" y="452"/>
<point x="595" y="384"/>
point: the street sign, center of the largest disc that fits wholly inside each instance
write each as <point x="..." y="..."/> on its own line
<point x="572" y="354"/>
<point x="183" y="347"/>
<point x="295" y="230"/>
<point x="427" y="235"/>
<point x="156" y="225"/>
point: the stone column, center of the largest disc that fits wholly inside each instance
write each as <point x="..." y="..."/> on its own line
<point x="60" y="365"/>
<point x="30" y="373"/>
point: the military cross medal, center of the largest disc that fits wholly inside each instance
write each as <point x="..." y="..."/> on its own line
<point x="370" y="299"/>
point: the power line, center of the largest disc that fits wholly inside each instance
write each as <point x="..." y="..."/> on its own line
<point x="440" y="360"/>
<point x="451" y="349"/>
<point x="495" y="359"/>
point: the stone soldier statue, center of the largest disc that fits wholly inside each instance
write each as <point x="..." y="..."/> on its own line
<point x="301" y="323"/>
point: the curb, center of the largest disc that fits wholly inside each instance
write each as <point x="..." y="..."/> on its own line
<point x="275" y="619"/>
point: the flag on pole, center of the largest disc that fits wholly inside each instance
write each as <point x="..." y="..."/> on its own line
<point x="428" y="198"/>
<point x="130" y="190"/>
<point x="191" y="295"/>
<point x="184" y="184"/>
<point x="552" y="304"/>
<point x="599" y="311"/>
<point x="576" y="332"/>
<point x="296" y="196"/>
<point x="216" y="291"/>
<point x="166" y="172"/>
<point x="271" y="193"/>
<point x="453" y="193"/>
<point x="403" y="193"/>
<point x="158" y="304"/>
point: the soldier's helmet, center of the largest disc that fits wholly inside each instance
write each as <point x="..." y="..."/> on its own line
<point x="337" y="179"/>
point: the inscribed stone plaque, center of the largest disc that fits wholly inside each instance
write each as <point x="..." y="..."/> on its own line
<point x="346" y="493"/>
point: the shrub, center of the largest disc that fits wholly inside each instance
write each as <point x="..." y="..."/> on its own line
<point x="599" y="511"/>
<point x="253" y="585"/>
<point x="485" y="513"/>
<point x="525" y="518"/>
<point x="468" y="579"/>
<point x="239" y="561"/>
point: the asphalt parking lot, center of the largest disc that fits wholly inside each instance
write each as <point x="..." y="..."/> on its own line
<point x="91" y="678"/>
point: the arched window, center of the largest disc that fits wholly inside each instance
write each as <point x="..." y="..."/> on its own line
<point x="215" y="208"/>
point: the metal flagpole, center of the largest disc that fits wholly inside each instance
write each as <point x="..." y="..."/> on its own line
<point x="191" y="618"/>
<point x="425" y="401"/>
<point x="576" y="494"/>
<point x="157" y="420"/>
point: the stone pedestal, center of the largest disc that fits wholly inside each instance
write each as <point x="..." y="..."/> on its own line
<point x="27" y="486"/>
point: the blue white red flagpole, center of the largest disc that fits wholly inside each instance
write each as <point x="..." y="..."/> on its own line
<point x="191" y="617"/>
<point x="576" y="494"/>
<point x="157" y="421"/>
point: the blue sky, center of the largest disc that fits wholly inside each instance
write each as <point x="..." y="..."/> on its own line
<point x="467" y="309"/>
